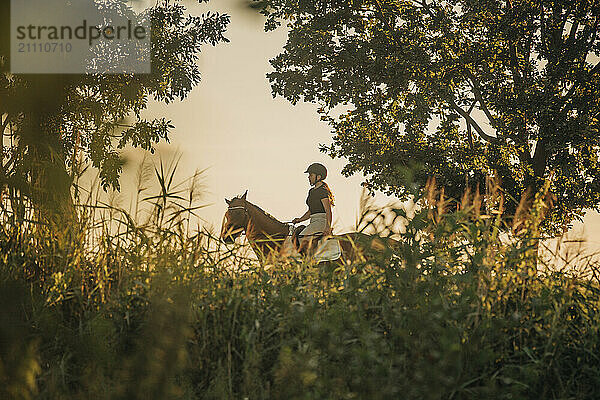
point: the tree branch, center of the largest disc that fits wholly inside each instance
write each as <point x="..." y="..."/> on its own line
<point x="543" y="29"/>
<point x="593" y="35"/>
<point x="539" y="158"/>
<point x="564" y="20"/>
<point x="2" y="152"/>
<point x="427" y="8"/>
<point x="530" y="39"/>
<point x="4" y="124"/>
<point x="572" y="32"/>
<point x="386" y="22"/>
<point x="514" y="63"/>
<point x="594" y="70"/>
<point x="571" y="92"/>
<point x="469" y="130"/>
<point x="479" y="98"/>
<point x="470" y="120"/>
<point x="557" y="34"/>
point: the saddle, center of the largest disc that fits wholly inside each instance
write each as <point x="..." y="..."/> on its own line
<point x="330" y="250"/>
<point x="296" y="236"/>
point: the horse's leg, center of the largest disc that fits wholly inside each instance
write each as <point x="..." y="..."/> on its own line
<point x="304" y="245"/>
<point x="307" y="245"/>
<point x="347" y="249"/>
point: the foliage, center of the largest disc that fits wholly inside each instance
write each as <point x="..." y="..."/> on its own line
<point x="132" y="304"/>
<point x="456" y="89"/>
<point x="53" y="120"/>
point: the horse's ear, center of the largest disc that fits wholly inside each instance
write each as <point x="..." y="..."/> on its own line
<point x="227" y="201"/>
<point x="244" y="195"/>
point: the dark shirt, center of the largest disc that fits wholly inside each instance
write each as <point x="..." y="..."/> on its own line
<point x="313" y="201"/>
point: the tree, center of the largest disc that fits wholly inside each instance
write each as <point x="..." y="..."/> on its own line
<point x="48" y="120"/>
<point x="459" y="89"/>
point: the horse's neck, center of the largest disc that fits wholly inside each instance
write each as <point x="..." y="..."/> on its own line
<point x="264" y="225"/>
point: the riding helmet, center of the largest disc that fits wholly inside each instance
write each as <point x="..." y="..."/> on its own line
<point x="317" y="169"/>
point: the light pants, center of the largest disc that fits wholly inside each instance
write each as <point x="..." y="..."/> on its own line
<point x="318" y="223"/>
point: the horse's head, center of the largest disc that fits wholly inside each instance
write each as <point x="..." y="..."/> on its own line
<point x="236" y="218"/>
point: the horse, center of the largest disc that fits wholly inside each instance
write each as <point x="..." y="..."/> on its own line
<point x="267" y="235"/>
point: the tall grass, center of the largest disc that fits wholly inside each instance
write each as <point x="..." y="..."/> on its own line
<point x="141" y="304"/>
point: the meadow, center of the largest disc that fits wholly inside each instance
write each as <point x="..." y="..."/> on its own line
<point x="126" y="304"/>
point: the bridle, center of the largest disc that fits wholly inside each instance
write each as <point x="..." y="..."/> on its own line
<point x="236" y="229"/>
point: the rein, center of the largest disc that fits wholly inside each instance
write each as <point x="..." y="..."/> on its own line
<point x="238" y="228"/>
<point x="289" y="224"/>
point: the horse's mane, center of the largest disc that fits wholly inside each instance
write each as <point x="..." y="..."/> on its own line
<point x="263" y="212"/>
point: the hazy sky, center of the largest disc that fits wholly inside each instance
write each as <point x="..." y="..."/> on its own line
<point x="231" y="125"/>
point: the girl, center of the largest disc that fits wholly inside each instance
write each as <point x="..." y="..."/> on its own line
<point x="319" y="202"/>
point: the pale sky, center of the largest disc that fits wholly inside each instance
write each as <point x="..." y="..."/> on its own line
<point x="231" y="125"/>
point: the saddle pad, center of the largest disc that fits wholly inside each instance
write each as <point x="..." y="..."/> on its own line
<point x="288" y="249"/>
<point x="328" y="251"/>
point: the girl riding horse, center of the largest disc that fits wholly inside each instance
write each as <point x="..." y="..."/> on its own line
<point x="319" y="202"/>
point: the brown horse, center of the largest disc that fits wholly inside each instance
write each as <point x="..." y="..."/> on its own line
<point x="267" y="235"/>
